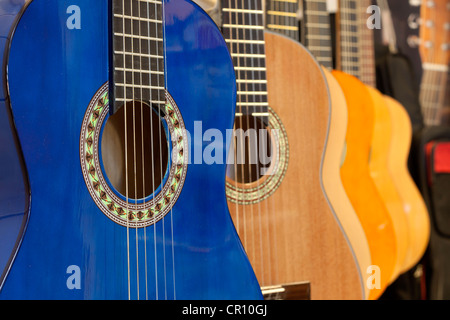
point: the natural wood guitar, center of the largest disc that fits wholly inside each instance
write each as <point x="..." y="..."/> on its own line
<point x="286" y="225"/>
<point x="281" y="18"/>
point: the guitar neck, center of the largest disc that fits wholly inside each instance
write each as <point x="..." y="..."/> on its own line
<point x="281" y="17"/>
<point x="356" y="50"/>
<point x="137" y="60"/>
<point x="243" y="30"/>
<point x="435" y="95"/>
<point x="435" y="53"/>
<point x="318" y="31"/>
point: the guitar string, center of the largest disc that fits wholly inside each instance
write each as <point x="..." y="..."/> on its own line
<point x="163" y="13"/>
<point x="141" y="99"/>
<point x="271" y="210"/>
<point x="247" y="216"/>
<point x="242" y="82"/>
<point x="160" y="149"/>
<point x="152" y="147"/>
<point x="260" y="51"/>
<point x="126" y="147"/>
<point x="427" y="100"/>
<point x="144" y="196"/>
<point x="434" y="74"/>
<point x="255" y="143"/>
<point x="133" y="85"/>
<point x="265" y="136"/>
<point x="234" y="138"/>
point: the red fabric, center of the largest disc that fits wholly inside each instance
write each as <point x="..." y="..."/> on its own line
<point x="428" y="149"/>
<point x="442" y="158"/>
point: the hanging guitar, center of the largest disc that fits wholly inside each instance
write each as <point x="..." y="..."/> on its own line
<point x="103" y="94"/>
<point x="282" y="215"/>
<point x="282" y="17"/>
<point x="355" y="172"/>
<point x="434" y="50"/>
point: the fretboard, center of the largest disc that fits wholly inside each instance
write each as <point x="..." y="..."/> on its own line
<point x="349" y="50"/>
<point x="318" y="31"/>
<point x="434" y="100"/>
<point x="243" y="30"/>
<point x="281" y="17"/>
<point x="137" y="64"/>
<point x="368" y="73"/>
<point x="356" y="49"/>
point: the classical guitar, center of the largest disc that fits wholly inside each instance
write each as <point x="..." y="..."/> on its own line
<point x="412" y="200"/>
<point x="282" y="17"/>
<point x="434" y="51"/>
<point x="279" y="207"/>
<point x="401" y="126"/>
<point x="103" y="96"/>
<point x="355" y="173"/>
<point x="386" y="159"/>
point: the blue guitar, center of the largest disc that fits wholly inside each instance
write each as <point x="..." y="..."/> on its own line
<point x="101" y="102"/>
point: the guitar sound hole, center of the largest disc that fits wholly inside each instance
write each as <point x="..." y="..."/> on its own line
<point x="252" y="150"/>
<point x="135" y="150"/>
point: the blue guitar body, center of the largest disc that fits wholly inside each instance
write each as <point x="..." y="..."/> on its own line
<point x="68" y="248"/>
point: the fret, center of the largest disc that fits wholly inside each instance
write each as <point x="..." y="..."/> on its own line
<point x="245" y="41"/>
<point x="137" y="64"/>
<point x="242" y="11"/>
<point x="246" y="93"/>
<point x="283" y="14"/>
<point x="318" y="31"/>
<point x="137" y="36"/>
<point x="138" y="86"/>
<point x="435" y="67"/>
<point x="146" y="55"/>
<point x="255" y="104"/>
<point x="141" y="19"/>
<point x="239" y="81"/>
<point x="243" y="27"/>
<point x="280" y="27"/>
<point x="159" y="102"/>
<point x="255" y="55"/>
<point x="434" y="94"/>
<point x="243" y="30"/>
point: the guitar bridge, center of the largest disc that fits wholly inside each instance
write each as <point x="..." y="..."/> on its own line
<point x="291" y="291"/>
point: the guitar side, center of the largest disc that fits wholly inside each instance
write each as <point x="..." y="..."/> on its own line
<point x="332" y="182"/>
<point x="412" y="200"/>
<point x="380" y="156"/>
<point x="194" y="251"/>
<point x="359" y="186"/>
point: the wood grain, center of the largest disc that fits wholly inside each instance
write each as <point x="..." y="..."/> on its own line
<point x="293" y="235"/>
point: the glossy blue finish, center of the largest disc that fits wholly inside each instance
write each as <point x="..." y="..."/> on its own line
<point x="14" y="193"/>
<point x="53" y="74"/>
